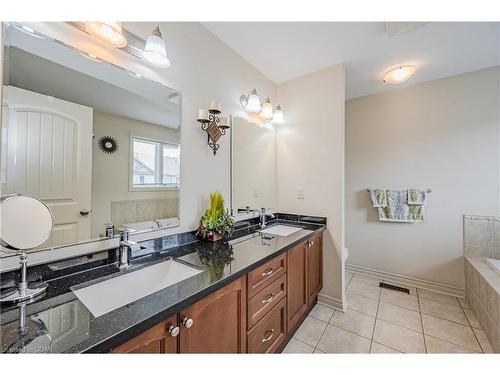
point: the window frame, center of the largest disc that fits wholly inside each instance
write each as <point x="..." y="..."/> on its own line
<point x="159" y="163"/>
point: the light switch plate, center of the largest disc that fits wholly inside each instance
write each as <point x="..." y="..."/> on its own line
<point x="300" y="192"/>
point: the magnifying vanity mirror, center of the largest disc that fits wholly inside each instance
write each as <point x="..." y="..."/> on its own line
<point x="253" y="166"/>
<point x="96" y="143"/>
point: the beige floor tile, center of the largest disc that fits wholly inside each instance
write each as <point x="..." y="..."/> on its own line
<point x="297" y="346"/>
<point x="310" y="331"/>
<point x="321" y="312"/>
<point x="338" y="340"/>
<point x="399" y="338"/>
<point x="382" y="349"/>
<point x="362" y="304"/>
<point x="463" y="302"/>
<point x="354" y="322"/>
<point x="400" y="316"/>
<point x="483" y="341"/>
<point x="443" y="310"/>
<point x="438" y="346"/>
<point x="471" y="317"/>
<point x="400" y="299"/>
<point x="450" y="331"/>
<point x="366" y="290"/>
<point x="366" y="280"/>
<point x="439" y="297"/>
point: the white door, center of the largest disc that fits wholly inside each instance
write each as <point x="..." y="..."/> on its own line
<point x="47" y="153"/>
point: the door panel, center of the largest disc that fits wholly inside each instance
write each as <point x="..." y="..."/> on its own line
<point x="297" y="303"/>
<point x="314" y="267"/>
<point x="219" y="322"/>
<point x="49" y="156"/>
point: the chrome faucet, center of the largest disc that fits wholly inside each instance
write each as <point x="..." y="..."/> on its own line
<point x="263" y="216"/>
<point x="126" y="248"/>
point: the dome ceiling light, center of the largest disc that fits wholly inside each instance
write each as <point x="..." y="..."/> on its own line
<point x="399" y="74"/>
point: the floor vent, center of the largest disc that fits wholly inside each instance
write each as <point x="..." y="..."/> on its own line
<point x="394" y="287"/>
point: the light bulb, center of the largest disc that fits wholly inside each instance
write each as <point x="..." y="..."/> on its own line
<point x="253" y="103"/>
<point x="267" y="110"/>
<point x="107" y="32"/>
<point x="278" y="117"/>
<point x="155" y="51"/>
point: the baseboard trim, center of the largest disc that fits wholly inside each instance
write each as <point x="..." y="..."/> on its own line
<point x="407" y="280"/>
<point x="330" y="301"/>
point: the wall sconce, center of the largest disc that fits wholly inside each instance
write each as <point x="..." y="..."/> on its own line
<point x="251" y="103"/>
<point x="213" y="124"/>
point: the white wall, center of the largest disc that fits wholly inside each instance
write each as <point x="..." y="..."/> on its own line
<point x="310" y="154"/>
<point x="203" y="68"/>
<point x="442" y="135"/>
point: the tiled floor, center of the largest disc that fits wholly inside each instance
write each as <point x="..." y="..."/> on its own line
<point x="383" y="321"/>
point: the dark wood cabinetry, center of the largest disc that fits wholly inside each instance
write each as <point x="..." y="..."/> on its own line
<point x="157" y="340"/>
<point x="314" y="267"/>
<point x="218" y="322"/>
<point x="297" y="292"/>
<point x="258" y="313"/>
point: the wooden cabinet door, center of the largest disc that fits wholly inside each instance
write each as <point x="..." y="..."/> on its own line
<point x="156" y="340"/>
<point x="297" y="292"/>
<point x="218" y="322"/>
<point x="314" y="267"/>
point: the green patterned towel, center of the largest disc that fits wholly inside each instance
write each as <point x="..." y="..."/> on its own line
<point x="378" y="197"/>
<point x="417" y="197"/>
<point x="398" y="210"/>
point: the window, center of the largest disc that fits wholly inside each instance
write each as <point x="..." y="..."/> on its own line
<point x="155" y="164"/>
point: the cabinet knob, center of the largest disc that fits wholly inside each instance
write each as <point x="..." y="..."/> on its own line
<point x="188" y="322"/>
<point x="310" y="243"/>
<point x="84" y="212"/>
<point x="173" y="331"/>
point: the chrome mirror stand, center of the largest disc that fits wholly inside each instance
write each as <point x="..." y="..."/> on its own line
<point x="24" y="291"/>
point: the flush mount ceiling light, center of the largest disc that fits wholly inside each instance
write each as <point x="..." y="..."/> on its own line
<point x="278" y="117"/>
<point x="108" y="32"/>
<point x="267" y="110"/>
<point x="399" y="74"/>
<point x="155" y="51"/>
<point x="251" y="102"/>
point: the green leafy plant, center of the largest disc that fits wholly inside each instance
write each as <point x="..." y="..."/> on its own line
<point x="216" y="223"/>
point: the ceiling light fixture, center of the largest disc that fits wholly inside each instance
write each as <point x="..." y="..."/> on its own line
<point x="108" y="32"/>
<point x="155" y="51"/>
<point x="251" y="102"/>
<point x="399" y="74"/>
<point x="267" y="110"/>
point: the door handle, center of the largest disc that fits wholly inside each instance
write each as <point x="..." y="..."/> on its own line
<point x="84" y="212"/>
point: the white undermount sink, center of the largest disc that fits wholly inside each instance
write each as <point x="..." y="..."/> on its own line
<point x="108" y="295"/>
<point x="280" y="230"/>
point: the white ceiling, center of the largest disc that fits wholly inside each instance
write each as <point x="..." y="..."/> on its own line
<point x="286" y="50"/>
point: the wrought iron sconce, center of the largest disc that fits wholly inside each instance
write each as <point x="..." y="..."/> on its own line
<point x="213" y="124"/>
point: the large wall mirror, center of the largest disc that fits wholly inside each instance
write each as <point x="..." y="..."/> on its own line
<point x="97" y="143"/>
<point x="253" y="166"/>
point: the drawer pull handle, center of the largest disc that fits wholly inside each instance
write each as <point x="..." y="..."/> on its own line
<point x="268" y="299"/>
<point x="267" y="272"/>
<point x="269" y="335"/>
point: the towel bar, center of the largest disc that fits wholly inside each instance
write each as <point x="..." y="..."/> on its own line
<point x="428" y="190"/>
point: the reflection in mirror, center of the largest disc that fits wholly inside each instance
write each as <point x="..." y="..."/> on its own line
<point x="253" y="164"/>
<point x="95" y="142"/>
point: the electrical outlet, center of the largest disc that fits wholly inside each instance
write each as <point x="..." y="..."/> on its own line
<point x="300" y="192"/>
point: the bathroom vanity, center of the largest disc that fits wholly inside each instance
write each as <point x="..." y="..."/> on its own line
<point x="252" y="304"/>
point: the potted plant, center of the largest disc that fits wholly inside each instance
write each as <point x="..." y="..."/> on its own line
<point x="216" y="223"/>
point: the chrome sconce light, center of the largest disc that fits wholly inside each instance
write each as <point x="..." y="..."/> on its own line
<point x="213" y="124"/>
<point x="251" y="103"/>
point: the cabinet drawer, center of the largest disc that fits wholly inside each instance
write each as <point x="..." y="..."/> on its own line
<point x="265" y="300"/>
<point x="268" y="334"/>
<point x="265" y="274"/>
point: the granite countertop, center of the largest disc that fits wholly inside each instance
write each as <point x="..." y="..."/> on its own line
<point x="73" y="328"/>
